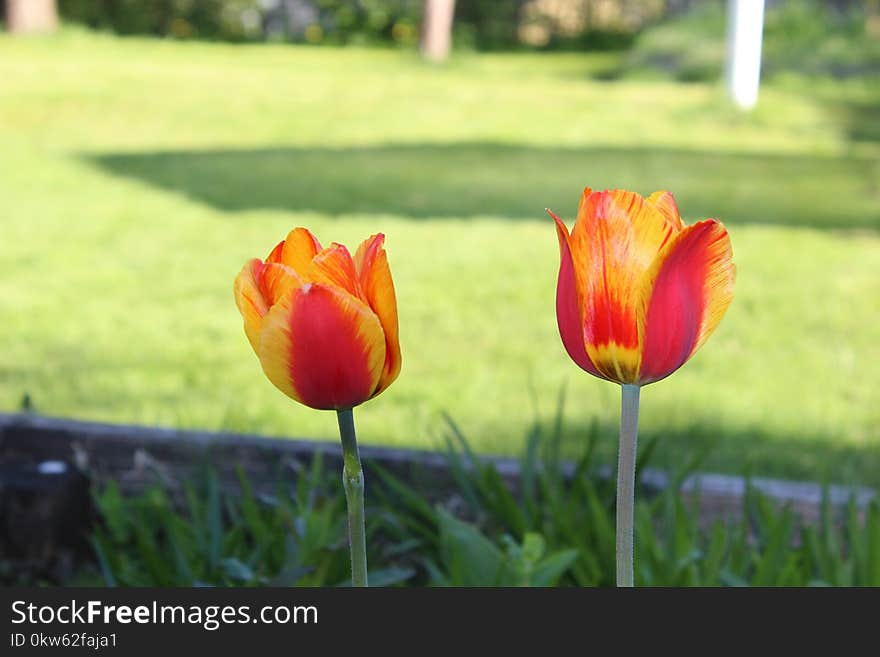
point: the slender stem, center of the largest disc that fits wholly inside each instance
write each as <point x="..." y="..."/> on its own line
<point x="353" y="481"/>
<point x="626" y="481"/>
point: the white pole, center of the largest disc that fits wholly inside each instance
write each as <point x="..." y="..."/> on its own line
<point x="745" y="27"/>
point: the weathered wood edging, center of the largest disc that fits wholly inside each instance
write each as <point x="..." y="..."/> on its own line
<point x="135" y="456"/>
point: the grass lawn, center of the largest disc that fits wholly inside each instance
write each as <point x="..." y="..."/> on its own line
<point x="137" y="176"/>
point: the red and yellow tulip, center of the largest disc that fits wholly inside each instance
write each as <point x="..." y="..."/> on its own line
<point x="638" y="291"/>
<point x="322" y="323"/>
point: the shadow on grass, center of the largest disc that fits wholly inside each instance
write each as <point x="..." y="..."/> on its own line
<point x="862" y="121"/>
<point x="464" y="180"/>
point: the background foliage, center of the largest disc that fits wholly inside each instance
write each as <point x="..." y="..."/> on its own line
<point x="316" y="21"/>
<point x="820" y="36"/>
<point x="814" y="37"/>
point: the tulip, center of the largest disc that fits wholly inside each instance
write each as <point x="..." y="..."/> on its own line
<point x="638" y="294"/>
<point x="323" y="325"/>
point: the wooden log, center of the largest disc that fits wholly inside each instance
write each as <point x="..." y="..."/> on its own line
<point x="45" y="517"/>
<point x="136" y="456"/>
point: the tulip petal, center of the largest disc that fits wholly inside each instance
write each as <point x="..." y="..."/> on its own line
<point x="613" y="244"/>
<point x="276" y="254"/>
<point x="665" y="203"/>
<point x="686" y="294"/>
<point x="629" y="228"/>
<point x="276" y="280"/>
<point x="334" y="266"/>
<point x="323" y="347"/>
<point x="375" y="279"/>
<point x="568" y="304"/>
<point x="299" y="249"/>
<point x="250" y="301"/>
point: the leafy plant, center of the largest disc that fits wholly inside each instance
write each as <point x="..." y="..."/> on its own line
<point x="469" y="558"/>
<point x="294" y="538"/>
<point x="568" y="510"/>
<point x="553" y="525"/>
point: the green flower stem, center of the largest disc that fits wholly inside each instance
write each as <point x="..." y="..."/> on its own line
<point x="353" y="481"/>
<point x="626" y="481"/>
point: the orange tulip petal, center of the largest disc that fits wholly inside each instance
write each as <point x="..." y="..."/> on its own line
<point x="276" y="254"/>
<point x="614" y="242"/>
<point x="322" y="347"/>
<point x="665" y="202"/>
<point x="568" y="304"/>
<point x="628" y="228"/>
<point x="334" y="266"/>
<point x="299" y="249"/>
<point x="276" y="280"/>
<point x="686" y="293"/>
<point x="250" y="301"/>
<point x="378" y="287"/>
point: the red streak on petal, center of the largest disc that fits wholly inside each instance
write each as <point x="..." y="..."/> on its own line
<point x="568" y="312"/>
<point x="677" y="305"/>
<point x="329" y="359"/>
<point x="610" y="255"/>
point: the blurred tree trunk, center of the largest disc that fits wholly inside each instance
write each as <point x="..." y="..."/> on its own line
<point x="437" y="29"/>
<point x="27" y="16"/>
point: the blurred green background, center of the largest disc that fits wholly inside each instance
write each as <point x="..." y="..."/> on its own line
<point x="148" y="149"/>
